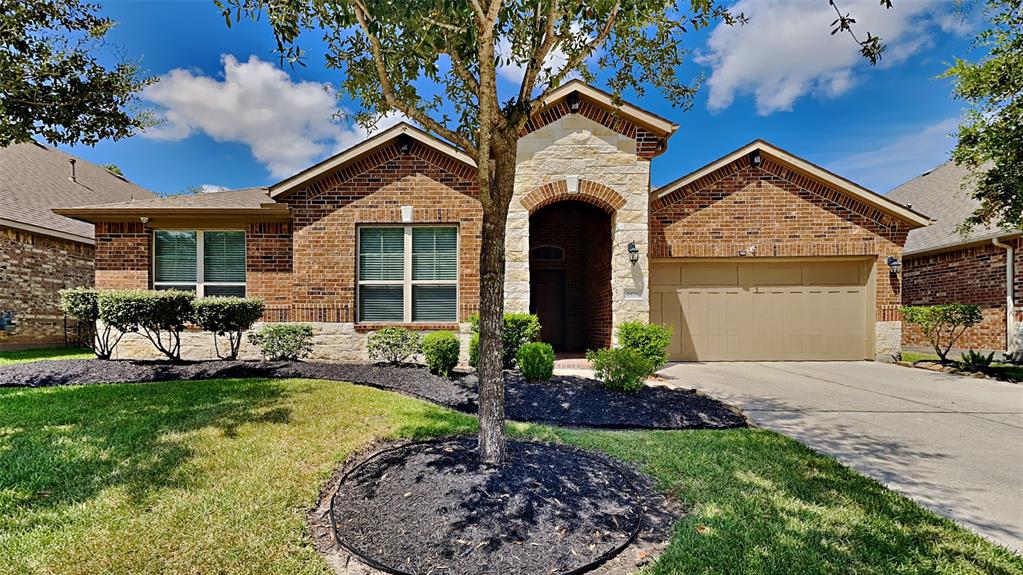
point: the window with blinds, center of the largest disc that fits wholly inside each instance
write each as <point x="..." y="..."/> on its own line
<point x="408" y="274"/>
<point x="207" y="262"/>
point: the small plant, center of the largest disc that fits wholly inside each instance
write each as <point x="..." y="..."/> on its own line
<point x="474" y="350"/>
<point x="621" y="369"/>
<point x="976" y="361"/>
<point x="158" y="315"/>
<point x="651" y="340"/>
<point x="519" y="328"/>
<point x="284" y="341"/>
<point x="230" y="316"/>
<point x="394" y="345"/>
<point x="943" y="325"/>
<point x="440" y="349"/>
<point x="82" y="303"/>
<point x="536" y="361"/>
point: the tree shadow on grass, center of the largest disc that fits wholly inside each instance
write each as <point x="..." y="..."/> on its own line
<point x="61" y="447"/>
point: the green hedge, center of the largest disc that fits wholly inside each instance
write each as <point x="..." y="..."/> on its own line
<point x="536" y="361"/>
<point x="621" y="369"/>
<point x="159" y="315"/>
<point x="82" y="303"/>
<point x="440" y="349"/>
<point x="230" y="316"/>
<point x="284" y="341"/>
<point x="519" y="328"/>
<point x="650" y="340"/>
<point x="394" y="345"/>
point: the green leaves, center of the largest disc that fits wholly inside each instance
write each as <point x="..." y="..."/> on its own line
<point x="943" y="324"/>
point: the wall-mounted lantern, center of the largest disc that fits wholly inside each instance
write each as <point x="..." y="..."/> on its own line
<point x="633" y="253"/>
<point x="894" y="265"/>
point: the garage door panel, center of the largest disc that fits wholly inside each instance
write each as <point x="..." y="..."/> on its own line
<point x="767" y="319"/>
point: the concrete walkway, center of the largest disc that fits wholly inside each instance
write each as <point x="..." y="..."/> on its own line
<point x="952" y="443"/>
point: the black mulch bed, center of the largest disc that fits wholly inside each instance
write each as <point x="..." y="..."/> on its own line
<point x="564" y="400"/>
<point x="432" y="508"/>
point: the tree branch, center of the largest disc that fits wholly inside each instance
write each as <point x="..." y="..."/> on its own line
<point x="539" y="55"/>
<point x="459" y="67"/>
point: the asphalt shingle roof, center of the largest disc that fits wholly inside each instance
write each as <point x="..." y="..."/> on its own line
<point x="244" y="198"/>
<point x="35" y="178"/>
<point x="940" y="195"/>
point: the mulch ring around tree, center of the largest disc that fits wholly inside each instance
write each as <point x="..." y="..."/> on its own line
<point x="431" y="507"/>
<point x="564" y="400"/>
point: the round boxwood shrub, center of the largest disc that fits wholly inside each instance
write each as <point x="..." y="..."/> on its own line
<point x="158" y="315"/>
<point x="230" y="316"/>
<point x="651" y="340"/>
<point x="284" y="341"/>
<point x="621" y="369"/>
<point x="393" y="345"/>
<point x="536" y="361"/>
<point x="440" y="349"/>
<point x="519" y="328"/>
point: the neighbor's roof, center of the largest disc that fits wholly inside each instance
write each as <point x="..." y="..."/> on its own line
<point x="808" y="169"/>
<point x="653" y="122"/>
<point x="241" y="202"/>
<point x="35" y="178"/>
<point x="940" y="194"/>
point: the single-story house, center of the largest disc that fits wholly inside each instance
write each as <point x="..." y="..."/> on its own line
<point x="42" y="252"/>
<point x="759" y="255"/>
<point x="983" y="267"/>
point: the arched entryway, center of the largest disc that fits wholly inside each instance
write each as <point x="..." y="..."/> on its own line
<point x="570" y="274"/>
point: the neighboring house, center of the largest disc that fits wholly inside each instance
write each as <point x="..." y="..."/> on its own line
<point x="42" y="252"/>
<point x="984" y="267"/>
<point x="760" y="255"/>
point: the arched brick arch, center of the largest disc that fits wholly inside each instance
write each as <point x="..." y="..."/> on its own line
<point x="590" y="192"/>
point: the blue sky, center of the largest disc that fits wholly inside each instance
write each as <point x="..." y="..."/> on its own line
<point x="235" y="118"/>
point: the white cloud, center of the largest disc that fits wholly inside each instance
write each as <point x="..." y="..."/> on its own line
<point x="787" y="51"/>
<point x="888" y="164"/>
<point x="287" y="124"/>
<point x="210" y="188"/>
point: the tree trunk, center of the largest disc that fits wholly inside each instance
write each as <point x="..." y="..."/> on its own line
<point x="492" y="440"/>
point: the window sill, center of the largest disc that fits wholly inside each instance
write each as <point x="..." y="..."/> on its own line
<point x="374" y="326"/>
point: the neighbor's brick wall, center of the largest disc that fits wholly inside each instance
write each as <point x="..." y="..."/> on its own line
<point x="325" y="217"/>
<point x="34" y="268"/>
<point x="782" y="213"/>
<point x="122" y="255"/>
<point x="974" y="275"/>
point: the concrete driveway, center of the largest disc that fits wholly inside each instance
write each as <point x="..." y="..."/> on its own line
<point x="952" y="443"/>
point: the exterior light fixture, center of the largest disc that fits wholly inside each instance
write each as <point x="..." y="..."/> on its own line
<point x="633" y="253"/>
<point x="894" y="265"/>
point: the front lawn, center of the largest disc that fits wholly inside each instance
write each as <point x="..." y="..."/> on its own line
<point x="27" y="355"/>
<point x="216" y="477"/>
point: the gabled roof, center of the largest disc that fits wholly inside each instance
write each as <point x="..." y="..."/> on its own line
<point x="656" y="124"/>
<point x="940" y="193"/>
<point x="241" y="202"/>
<point x="872" y="199"/>
<point x="35" y="178"/>
<point x="363" y="148"/>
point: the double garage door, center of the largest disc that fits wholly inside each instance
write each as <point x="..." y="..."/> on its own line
<point x="738" y="310"/>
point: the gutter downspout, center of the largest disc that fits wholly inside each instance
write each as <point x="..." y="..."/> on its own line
<point x="1010" y="306"/>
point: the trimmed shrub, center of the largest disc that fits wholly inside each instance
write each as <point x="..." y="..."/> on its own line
<point x="474" y="350"/>
<point x="651" y="340"/>
<point x="284" y="341"/>
<point x="536" y="361"/>
<point x="158" y="315"/>
<point x="943" y="324"/>
<point x="621" y="369"/>
<point x="976" y="361"/>
<point x="394" y="345"/>
<point x="82" y="303"/>
<point x="230" y="316"/>
<point x="440" y="349"/>
<point x="519" y="328"/>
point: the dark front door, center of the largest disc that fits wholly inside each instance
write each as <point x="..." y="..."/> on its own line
<point x="547" y="301"/>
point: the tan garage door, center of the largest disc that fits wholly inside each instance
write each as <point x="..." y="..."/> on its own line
<point x="763" y="310"/>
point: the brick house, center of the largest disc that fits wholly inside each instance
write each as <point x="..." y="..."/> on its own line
<point x="42" y="252"/>
<point x="984" y="267"/>
<point x="760" y="255"/>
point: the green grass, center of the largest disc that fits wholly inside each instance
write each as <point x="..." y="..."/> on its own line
<point x="215" y="477"/>
<point x="11" y="357"/>
<point x="1000" y="370"/>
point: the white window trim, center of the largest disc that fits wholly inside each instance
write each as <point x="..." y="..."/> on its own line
<point x="200" y="262"/>
<point x="407" y="282"/>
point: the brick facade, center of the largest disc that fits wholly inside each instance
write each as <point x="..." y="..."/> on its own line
<point x="123" y="255"/>
<point x="35" y="268"/>
<point x="974" y="275"/>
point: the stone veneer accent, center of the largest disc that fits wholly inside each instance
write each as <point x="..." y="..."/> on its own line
<point x="35" y="267"/>
<point x="611" y="174"/>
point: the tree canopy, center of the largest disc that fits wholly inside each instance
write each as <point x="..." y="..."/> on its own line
<point x="52" y="84"/>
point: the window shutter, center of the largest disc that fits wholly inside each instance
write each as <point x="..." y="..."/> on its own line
<point x="434" y="253"/>
<point x="175" y="257"/>
<point x="434" y="303"/>
<point x="381" y="254"/>
<point x="224" y="257"/>
<point x="381" y="303"/>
